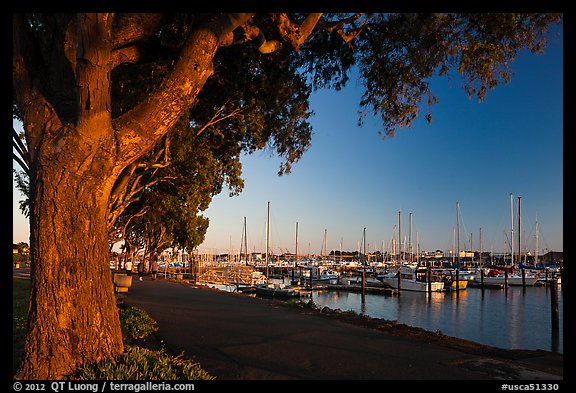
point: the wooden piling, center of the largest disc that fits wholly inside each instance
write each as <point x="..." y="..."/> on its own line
<point x="523" y="278"/>
<point x="506" y="279"/>
<point x="429" y="279"/>
<point x="399" y="280"/>
<point x="363" y="281"/>
<point x="554" y="304"/>
<point x="482" y="278"/>
<point x="457" y="282"/>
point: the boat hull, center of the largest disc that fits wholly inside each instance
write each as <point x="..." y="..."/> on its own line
<point x="512" y="281"/>
<point x="462" y="284"/>
<point x="412" y="285"/>
<point x="276" y="292"/>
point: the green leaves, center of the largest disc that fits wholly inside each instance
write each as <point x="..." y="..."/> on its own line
<point x="140" y="364"/>
<point x="136" y="323"/>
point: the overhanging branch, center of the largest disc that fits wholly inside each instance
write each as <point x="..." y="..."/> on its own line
<point x="292" y="33"/>
<point x="141" y="127"/>
<point x="216" y="119"/>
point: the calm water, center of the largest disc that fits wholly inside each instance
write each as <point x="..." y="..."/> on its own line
<point x="513" y="319"/>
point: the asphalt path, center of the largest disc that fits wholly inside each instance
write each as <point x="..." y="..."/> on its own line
<point x="240" y="337"/>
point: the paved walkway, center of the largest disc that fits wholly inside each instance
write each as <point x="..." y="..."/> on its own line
<point x="235" y="336"/>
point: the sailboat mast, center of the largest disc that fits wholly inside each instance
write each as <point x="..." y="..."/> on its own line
<point x="472" y="245"/>
<point x="536" y="250"/>
<point x="481" y="246"/>
<point x="244" y="243"/>
<point x="453" y="245"/>
<point x="324" y="255"/>
<point x="393" y="242"/>
<point x="458" y="232"/>
<point x="519" y="233"/>
<point x="296" y="261"/>
<point x="400" y="236"/>
<point x="267" y="236"/>
<point x="365" y="253"/>
<point x="512" y="228"/>
<point x="410" y="240"/>
<point x="417" y="249"/>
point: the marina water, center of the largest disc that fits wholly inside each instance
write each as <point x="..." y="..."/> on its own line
<point x="516" y="318"/>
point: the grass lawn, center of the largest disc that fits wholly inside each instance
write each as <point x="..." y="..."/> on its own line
<point x="20" y="299"/>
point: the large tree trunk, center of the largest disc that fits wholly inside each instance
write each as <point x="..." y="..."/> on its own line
<point x="73" y="318"/>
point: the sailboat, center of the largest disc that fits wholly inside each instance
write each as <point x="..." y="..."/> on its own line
<point x="276" y="290"/>
<point x="450" y="282"/>
<point x="412" y="278"/>
<point x="496" y="277"/>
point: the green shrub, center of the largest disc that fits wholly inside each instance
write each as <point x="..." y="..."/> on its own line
<point x="136" y="323"/>
<point x="138" y="363"/>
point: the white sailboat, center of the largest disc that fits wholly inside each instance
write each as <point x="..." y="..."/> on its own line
<point x="514" y="278"/>
<point x="412" y="278"/>
<point x="268" y="289"/>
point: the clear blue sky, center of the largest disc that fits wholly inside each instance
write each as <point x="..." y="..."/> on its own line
<point x="351" y="178"/>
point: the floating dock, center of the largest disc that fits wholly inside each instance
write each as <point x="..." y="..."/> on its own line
<point x="354" y="288"/>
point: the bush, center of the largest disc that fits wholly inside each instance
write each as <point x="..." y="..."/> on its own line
<point x="138" y="363"/>
<point x="136" y="323"/>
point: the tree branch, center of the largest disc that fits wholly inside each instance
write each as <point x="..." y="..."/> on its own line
<point x="131" y="34"/>
<point x="140" y="128"/>
<point x="253" y="33"/>
<point x="350" y="34"/>
<point x="129" y="54"/>
<point x="93" y="56"/>
<point x="215" y="119"/>
<point x="36" y="110"/>
<point x="131" y="28"/>
<point x="292" y="33"/>
<point x="128" y="185"/>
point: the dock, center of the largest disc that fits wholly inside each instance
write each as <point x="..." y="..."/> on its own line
<point x="486" y="286"/>
<point x="354" y="288"/>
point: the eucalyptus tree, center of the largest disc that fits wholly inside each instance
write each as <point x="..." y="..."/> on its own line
<point x="96" y="92"/>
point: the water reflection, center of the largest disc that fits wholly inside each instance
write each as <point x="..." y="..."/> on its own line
<point x="516" y="318"/>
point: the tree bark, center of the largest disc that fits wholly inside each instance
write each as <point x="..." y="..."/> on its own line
<point x="73" y="318"/>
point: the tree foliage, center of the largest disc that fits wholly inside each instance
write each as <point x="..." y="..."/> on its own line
<point x="267" y="107"/>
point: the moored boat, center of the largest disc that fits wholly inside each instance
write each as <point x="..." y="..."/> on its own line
<point x="454" y="285"/>
<point x="450" y="282"/>
<point x="496" y="277"/>
<point x="276" y="290"/>
<point x="411" y="280"/>
<point x="326" y="275"/>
